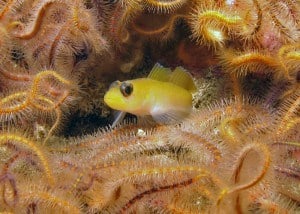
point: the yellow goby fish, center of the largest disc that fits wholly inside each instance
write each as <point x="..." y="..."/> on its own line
<point x="164" y="95"/>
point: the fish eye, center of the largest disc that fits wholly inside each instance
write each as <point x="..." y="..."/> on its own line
<point x="115" y="83"/>
<point x="126" y="88"/>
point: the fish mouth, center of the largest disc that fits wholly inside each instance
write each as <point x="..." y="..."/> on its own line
<point x="107" y="100"/>
<point x="111" y="102"/>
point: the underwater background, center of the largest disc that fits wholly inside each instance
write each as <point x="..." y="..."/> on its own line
<point x="238" y="152"/>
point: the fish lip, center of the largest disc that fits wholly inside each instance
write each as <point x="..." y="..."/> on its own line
<point x="107" y="100"/>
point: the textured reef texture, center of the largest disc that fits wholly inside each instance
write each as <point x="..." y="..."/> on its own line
<point x="239" y="152"/>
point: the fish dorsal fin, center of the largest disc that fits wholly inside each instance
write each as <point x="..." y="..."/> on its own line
<point x="160" y="73"/>
<point x="183" y="79"/>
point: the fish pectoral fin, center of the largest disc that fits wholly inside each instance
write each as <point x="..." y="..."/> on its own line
<point x="146" y="120"/>
<point x="118" y="117"/>
<point x="171" y="117"/>
<point x="160" y="73"/>
<point x="183" y="79"/>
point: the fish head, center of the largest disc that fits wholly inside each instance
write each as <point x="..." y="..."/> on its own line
<point x="123" y="96"/>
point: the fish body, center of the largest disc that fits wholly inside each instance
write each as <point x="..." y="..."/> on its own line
<point x="164" y="95"/>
